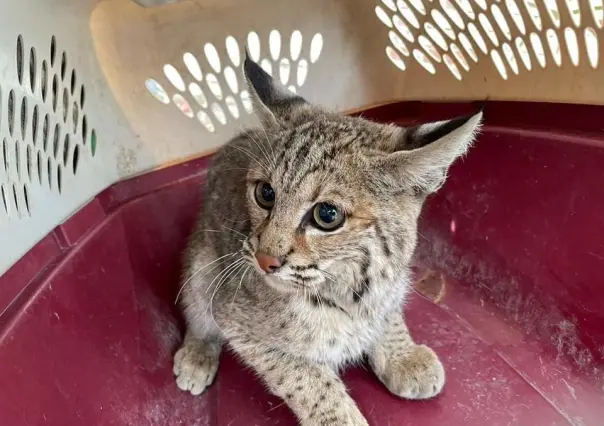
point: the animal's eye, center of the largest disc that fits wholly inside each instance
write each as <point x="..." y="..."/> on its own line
<point x="265" y="195"/>
<point x="327" y="217"/>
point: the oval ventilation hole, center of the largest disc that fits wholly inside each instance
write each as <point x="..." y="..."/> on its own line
<point x="390" y="4"/>
<point x="552" y="10"/>
<point x="49" y="172"/>
<point x="436" y="36"/>
<point x="514" y="12"/>
<point x="274" y="44"/>
<point x="65" y="104"/>
<point x="554" y="46"/>
<point x="407" y="13"/>
<point x="423" y="60"/>
<point x="459" y="56"/>
<point x="192" y="65"/>
<point x="24" y="117"/>
<point x="488" y="29"/>
<point x="206" y="121"/>
<point x="83" y="96"/>
<point x="20" y="54"/>
<point x="63" y="65"/>
<point x="93" y="142"/>
<point x="402" y="28"/>
<point x="231" y="79"/>
<point x="5" y="156"/>
<point x="302" y="72"/>
<point x="395" y="58"/>
<point x="16" y="200"/>
<point x="575" y="11"/>
<point x="182" y="104"/>
<point x="508" y="52"/>
<point x="452" y="13"/>
<point x="53" y="50"/>
<point x="316" y="46"/>
<point x="73" y="82"/>
<point x="55" y="92"/>
<point x="232" y="48"/>
<point x="157" y="91"/>
<point x="75" y="159"/>
<point x="218" y="113"/>
<point x="571" y="45"/>
<point x="477" y="37"/>
<point x="26" y="199"/>
<point x="533" y="12"/>
<point x="538" y="49"/>
<point x="84" y="130"/>
<point x="383" y="16"/>
<point x="18" y="160"/>
<point x="5" y="202"/>
<point x="246" y="101"/>
<point x="55" y="141"/>
<point x="295" y="45"/>
<point x="253" y="46"/>
<point x="33" y="66"/>
<point x="481" y="3"/>
<point x="284" y="70"/>
<point x="266" y="65"/>
<point x="499" y="65"/>
<point x="418" y="5"/>
<point x="524" y="54"/>
<point x="198" y="95"/>
<point x="28" y="161"/>
<point x="174" y="77"/>
<point x="45" y="132"/>
<point x="44" y="80"/>
<point x="34" y="124"/>
<point x="75" y="116"/>
<point x="452" y="67"/>
<point x="466" y="7"/>
<point x="591" y="45"/>
<point x="500" y="19"/>
<point x="443" y="24"/>
<point x="231" y="104"/>
<point x="398" y="43"/>
<point x="11" y="112"/>
<point x="467" y="45"/>
<point x="292" y="89"/>
<point x="597" y="12"/>
<point x="66" y="149"/>
<point x="60" y="178"/>
<point x="40" y="161"/>
<point x="214" y="86"/>
<point x="212" y="57"/>
<point x="429" y="48"/>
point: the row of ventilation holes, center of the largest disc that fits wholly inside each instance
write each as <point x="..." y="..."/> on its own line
<point x="40" y="78"/>
<point x="591" y="40"/>
<point x="229" y="75"/>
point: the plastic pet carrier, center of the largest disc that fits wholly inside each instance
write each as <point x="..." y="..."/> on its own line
<point x="110" y="111"/>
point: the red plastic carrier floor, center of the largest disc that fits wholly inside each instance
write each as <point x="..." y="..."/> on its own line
<point x="510" y="293"/>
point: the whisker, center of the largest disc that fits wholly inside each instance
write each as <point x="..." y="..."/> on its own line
<point x="201" y="269"/>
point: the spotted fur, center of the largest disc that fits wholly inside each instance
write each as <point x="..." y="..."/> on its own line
<point x="338" y="295"/>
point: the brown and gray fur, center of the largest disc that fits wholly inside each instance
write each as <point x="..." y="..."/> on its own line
<point x="338" y="296"/>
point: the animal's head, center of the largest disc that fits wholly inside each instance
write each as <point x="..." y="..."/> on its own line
<point x="328" y="193"/>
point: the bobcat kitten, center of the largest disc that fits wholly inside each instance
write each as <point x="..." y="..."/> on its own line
<point x="300" y="258"/>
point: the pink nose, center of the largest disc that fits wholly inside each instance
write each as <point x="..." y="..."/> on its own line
<point x="268" y="264"/>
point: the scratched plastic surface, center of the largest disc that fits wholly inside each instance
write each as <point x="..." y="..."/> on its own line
<point x="88" y="324"/>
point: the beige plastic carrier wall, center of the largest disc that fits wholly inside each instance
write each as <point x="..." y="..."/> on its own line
<point x="92" y="92"/>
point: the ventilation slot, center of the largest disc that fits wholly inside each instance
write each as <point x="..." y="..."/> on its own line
<point x="216" y="97"/>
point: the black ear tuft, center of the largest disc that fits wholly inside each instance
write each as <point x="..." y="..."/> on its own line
<point x="426" y="134"/>
<point x="260" y="80"/>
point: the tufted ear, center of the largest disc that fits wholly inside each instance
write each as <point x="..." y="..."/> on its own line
<point x="273" y="103"/>
<point x="420" y="156"/>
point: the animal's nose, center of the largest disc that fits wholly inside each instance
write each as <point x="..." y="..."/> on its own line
<point x="268" y="264"/>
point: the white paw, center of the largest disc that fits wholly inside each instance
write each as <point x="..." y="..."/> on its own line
<point x="419" y="374"/>
<point x="194" y="368"/>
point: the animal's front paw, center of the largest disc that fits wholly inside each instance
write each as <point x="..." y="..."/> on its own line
<point x="194" y="367"/>
<point x="418" y="374"/>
